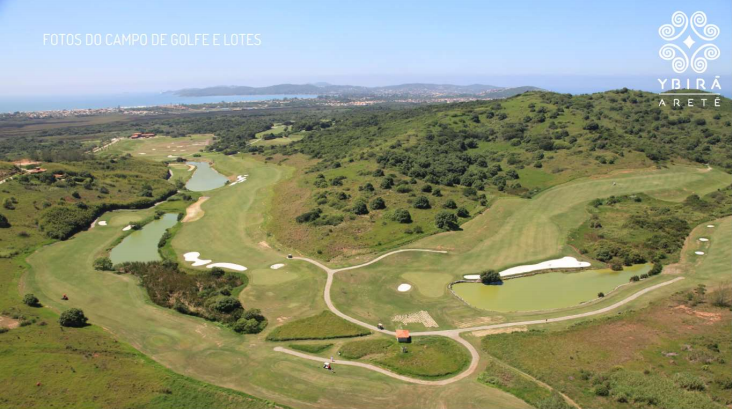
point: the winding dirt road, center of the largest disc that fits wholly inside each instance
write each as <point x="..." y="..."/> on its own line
<point x="450" y="333"/>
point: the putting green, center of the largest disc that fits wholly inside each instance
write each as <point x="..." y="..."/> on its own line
<point x="546" y="291"/>
<point x="230" y="230"/>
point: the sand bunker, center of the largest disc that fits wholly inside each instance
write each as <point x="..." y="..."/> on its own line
<point x="472" y="276"/>
<point x="276" y="266"/>
<point x="102" y="223"/>
<point x="171" y="156"/>
<point x="194" y="257"/>
<point x="560" y="263"/>
<point x="231" y="266"/>
<point x="143" y="153"/>
<point x="404" y="287"/>
<point x="699" y="253"/>
<point x="194" y="211"/>
<point x="422" y="317"/>
<point x="710" y="225"/>
<point x="128" y="227"/>
<point x="239" y="179"/>
<point x="703" y="239"/>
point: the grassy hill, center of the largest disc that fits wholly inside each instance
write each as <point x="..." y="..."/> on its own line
<point x="471" y="153"/>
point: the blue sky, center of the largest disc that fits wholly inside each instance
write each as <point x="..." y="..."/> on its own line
<point x="567" y="46"/>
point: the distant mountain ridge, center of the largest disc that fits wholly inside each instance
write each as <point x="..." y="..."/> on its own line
<point x="322" y="88"/>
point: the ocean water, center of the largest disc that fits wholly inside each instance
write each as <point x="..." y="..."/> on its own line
<point x="59" y="102"/>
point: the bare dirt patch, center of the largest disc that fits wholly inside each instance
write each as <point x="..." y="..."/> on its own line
<point x="474" y="322"/>
<point x="495" y="331"/>
<point x="7" y="322"/>
<point x="194" y="211"/>
<point x="421" y="317"/>
<point x="710" y="317"/>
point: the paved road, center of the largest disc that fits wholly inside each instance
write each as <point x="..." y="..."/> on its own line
<point x="450" y="333"/>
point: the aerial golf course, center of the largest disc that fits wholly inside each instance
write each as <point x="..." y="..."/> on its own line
<point x="233" y="229"/>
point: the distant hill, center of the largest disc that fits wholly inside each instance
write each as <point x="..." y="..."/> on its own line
<point x="322" y="88"/>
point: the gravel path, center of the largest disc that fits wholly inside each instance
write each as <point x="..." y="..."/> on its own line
<point x="450" y="333"/>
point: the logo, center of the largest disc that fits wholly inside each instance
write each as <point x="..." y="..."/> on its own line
<point x="705" y="33"/>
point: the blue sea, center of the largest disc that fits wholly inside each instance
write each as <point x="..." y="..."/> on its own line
<point x="59" y="102"/>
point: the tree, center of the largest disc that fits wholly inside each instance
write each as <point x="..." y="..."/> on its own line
<point x="446" y="221"/>
<point x="490" y="277"/>
<point x="422" y="203"/>
<point x="378" y="203"/>
<point x="634" y="279"/>
<point x="463" y="212"/>
<point x="31" y="300"/>
<point x="227" y="304"/>
<point x="4" y="223"/>
<point x="387" y="182"/>
<point x="402" y="216"/>
<point x="73" y="317"/>
<point x="359" y="207"/>
<point x="450" y="204"/>
<point x="656" y="269"/>
<point x="217" y="272"/>
<point x="600" y="295"/>
<point x="103" y="264"/>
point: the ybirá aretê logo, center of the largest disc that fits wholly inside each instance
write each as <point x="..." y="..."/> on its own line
<point x="689" y="47"/>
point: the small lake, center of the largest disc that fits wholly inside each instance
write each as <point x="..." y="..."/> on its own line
<point x="204" y="178"/>
<point x="142" y="245"/>
<point x="547" y="290"/>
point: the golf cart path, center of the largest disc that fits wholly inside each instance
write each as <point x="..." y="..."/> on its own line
<point x="450" y="333"/>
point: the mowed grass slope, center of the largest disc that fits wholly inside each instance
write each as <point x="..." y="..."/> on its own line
<point x="325" y="325"/>
<point x="213" y="354"/>
<point x="424" y="357"/>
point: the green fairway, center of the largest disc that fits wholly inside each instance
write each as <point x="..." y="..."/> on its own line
<point x="512" y="232"/>
<point x="229" y="231"/>
<point x="160" y="148"/>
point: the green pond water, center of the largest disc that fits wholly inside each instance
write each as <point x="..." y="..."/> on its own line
<point x="142" y="245"/>
<point x="204" y="178"/>
<point x="545" y="291"/>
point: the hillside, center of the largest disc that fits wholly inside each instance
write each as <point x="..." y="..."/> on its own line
<point x="415" y="89"/>
<point x="440" y="158"/>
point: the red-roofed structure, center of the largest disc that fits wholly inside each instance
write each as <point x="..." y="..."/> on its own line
<point x="403" y="335"/>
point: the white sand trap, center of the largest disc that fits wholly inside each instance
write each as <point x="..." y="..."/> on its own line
<point x="471" y="276"/>
<point x="231" y="266"/>
<point x="404" y="288"/>
<point x="171" y="156"/>
<point x="128" y="227"/>
<point x="703" y="239"/>
<point x="154" y="149"/>
<point x="239" y="179"/>
<point x="102" y="223"/>
<point x="194" y="257"/>
<point x="143" y="153"/>
<point x="560" y="263"/>
<point x="710" y="225"/>
<point x="276" y="266"/>
<point x="699" y="253"/>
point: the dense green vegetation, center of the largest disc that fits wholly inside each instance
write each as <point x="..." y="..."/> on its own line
<point x="325" y="325"/>
<point x="635" y="229"/>
<point x="67" y="197"/>
<point x="444" y="163"/>
<point x="210" y="295"/>
<point x="511" y="381"/>
<point x="673" y="354"/>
